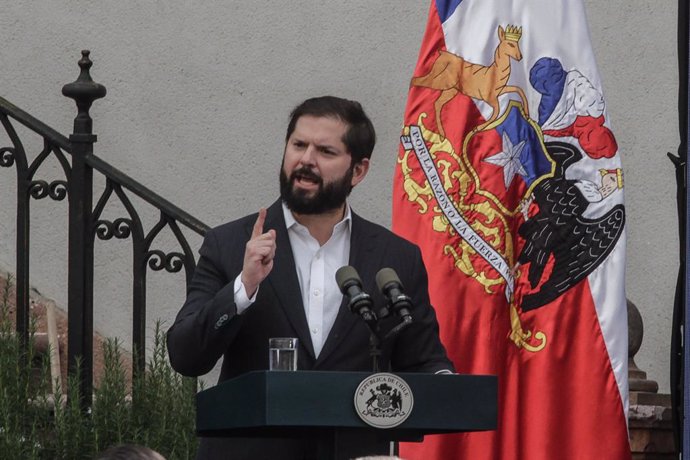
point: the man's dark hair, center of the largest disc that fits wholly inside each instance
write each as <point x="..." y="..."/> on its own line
<point x="129" y="452"/>
<point x="360" y="137"/>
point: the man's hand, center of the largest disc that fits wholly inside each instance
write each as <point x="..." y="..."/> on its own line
<point x="258" y="255"/>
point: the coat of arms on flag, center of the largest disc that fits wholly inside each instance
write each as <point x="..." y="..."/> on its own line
<point x="509" y="180"/>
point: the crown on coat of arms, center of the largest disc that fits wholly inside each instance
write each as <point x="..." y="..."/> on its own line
<point x="513" y="33"/>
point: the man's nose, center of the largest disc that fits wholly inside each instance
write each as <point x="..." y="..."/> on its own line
<point x="309" y="156"/>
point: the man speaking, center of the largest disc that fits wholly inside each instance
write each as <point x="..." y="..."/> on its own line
<point x="272" y="274"/>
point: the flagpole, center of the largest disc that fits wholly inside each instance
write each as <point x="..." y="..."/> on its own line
<point x="680" y="361"/>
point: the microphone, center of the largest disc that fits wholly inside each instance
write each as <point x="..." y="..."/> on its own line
<point x="350" y="285"/>
<point x="390" y="286"/>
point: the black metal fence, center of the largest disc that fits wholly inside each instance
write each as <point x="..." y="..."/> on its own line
<point x="86" y="223"/>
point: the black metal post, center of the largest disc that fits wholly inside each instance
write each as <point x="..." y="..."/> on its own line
<point x="81" y="236"/>
<point x="139" y="305"/>
<point x="679" y="330"/>
<point x="682" y="402"/>
<point x="23" y="248"/>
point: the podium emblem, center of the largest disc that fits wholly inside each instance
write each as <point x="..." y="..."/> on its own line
<point x="383" y="400"/>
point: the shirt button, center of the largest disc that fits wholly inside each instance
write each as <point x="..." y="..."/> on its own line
<point x="315" y="330"/>
<point x="316" y="292"/>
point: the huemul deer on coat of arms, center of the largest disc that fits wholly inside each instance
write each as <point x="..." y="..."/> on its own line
<point x="451" y="75"/>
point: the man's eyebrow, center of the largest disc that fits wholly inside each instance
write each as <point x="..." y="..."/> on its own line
<point x="331" y="147"/>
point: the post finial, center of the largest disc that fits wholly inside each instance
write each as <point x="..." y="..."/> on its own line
<point x="84" y="91"/>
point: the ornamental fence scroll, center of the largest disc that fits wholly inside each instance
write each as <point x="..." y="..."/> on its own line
<point x="86" y="222"/>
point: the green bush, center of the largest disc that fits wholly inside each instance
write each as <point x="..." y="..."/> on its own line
<point x="22" y="422"/>
<point x="159" y="413"/>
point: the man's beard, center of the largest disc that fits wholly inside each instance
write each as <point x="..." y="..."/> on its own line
<point x="326" y="198"/>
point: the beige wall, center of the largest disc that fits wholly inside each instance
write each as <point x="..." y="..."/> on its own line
<point x="198" y="96"/>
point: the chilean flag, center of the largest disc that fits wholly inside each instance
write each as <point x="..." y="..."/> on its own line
<point x="509" y="179"/>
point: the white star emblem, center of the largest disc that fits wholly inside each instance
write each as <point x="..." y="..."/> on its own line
<point x="509" y="159"/>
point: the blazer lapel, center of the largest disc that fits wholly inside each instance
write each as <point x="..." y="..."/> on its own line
<point x="283" y="278"/>
<point x="365" y="254"/>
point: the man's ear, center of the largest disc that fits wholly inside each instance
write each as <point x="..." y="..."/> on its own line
<point x="359" y="171"/>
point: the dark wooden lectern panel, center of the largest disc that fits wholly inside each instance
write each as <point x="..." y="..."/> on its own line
<point x="277" y="403"/>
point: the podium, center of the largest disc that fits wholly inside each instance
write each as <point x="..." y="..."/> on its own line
<point x="320" y="406"/>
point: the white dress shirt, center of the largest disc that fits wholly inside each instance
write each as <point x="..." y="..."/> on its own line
<point x="316" y="266"/>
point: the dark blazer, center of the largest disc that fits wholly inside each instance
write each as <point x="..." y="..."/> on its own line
<point x="208" y="326"/>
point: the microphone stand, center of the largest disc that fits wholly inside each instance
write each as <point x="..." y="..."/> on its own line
<point x="375" y="350"/>
<point x="396" y="330"/>
<point x="375" y="340"/>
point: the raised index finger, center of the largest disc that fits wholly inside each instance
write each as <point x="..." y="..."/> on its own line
<point x="259" y="224"/>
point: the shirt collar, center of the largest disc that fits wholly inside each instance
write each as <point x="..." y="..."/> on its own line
<point x="290" y="221"/>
